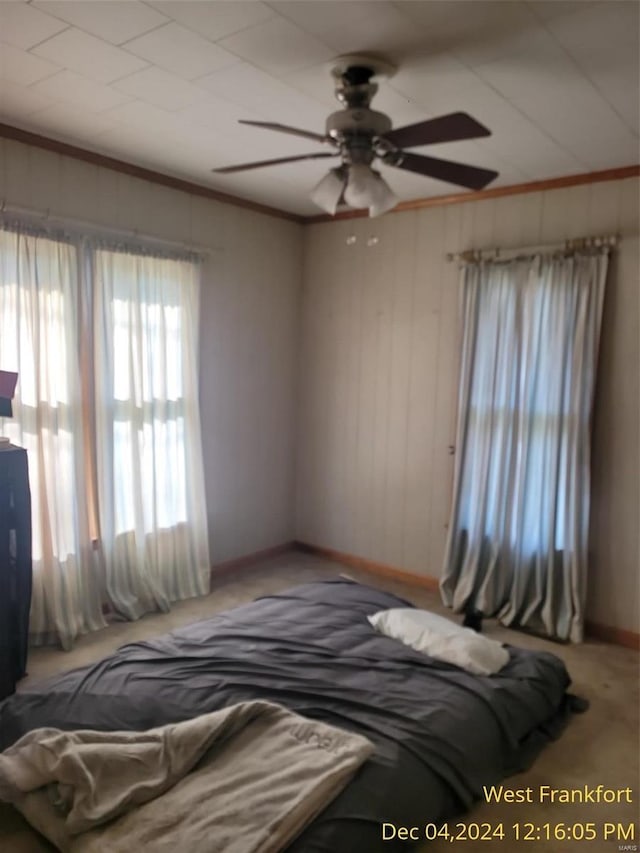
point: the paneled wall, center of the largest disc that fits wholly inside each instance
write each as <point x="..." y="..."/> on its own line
<point x="249" y="320"/>
<point x="380" y="336"/>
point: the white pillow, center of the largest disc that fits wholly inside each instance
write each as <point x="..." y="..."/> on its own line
<point x="441" y="639"/>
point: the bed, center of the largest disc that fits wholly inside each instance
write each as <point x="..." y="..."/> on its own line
<point x="440" y="734"/>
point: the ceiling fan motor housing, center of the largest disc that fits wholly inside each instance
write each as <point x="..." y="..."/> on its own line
<point x="356" y="127"/>
<point x="358" y="121"/>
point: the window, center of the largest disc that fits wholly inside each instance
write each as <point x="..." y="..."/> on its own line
<point x="107" y="408"/>
<point x="141" y="386"/>
<point x="519" y="398"/>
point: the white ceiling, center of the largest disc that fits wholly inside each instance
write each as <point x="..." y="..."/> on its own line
<point x="162" y="84"/>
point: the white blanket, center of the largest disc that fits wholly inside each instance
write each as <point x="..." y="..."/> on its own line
<point x="246" y="779"/>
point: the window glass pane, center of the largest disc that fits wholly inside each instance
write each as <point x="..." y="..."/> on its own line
<point x="38" y="290"/>
<point x="143" y="383"/>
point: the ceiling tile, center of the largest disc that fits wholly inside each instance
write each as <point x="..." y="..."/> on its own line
<point x="116" y="21"/>
<point x="601" y="25"/>
<point x="383" y="29"/>
<point x="316" y="82"/>
<point x="265" y="95"/>
<point x="260" y="185"/>
<point x="400" y="109"/>
<point x="613" y="149"/>
<point x="519" y="143"/>
<point x="88" y="55"/>
<point x="317" y="17"/>
<point x="215" y="113"/>
<point x="515" y="138"/>
<point x="161" y="89"/>
<point x="277" y="46"/>
<point x="441" y="84"/>
<point x="616" y="75"/>
<point x="513" y="35"/>
<point x="179" y="50"/>
<point x="17" y="102"/>
<point x="23" y="26"/>
<point x="473" y="31"/>
<point x="527" y="87"/>
<point x="176" y="149"/>
<point x="622" y="95"/>
<point x="154" y="127"/>
<point x="81" y="92"/>
<point x="222" y="117"/>
<point x="562" y="103"/>
<point x="215" y="20"/>
<point x="144" y="116"/>
<point x="71" y="123"/>
<point x="23" y="68"/>
<point x="547" y="10"/>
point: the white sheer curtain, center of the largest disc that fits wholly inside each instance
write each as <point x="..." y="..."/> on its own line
<point x="39" y="339"/>
<point x="152" y="517"/>
<point x="518" y="535"/>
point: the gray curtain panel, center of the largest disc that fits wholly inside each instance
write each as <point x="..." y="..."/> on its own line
<point x="517" y="546"/>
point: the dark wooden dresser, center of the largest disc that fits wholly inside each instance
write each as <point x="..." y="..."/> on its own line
<point x="15" y="565"/>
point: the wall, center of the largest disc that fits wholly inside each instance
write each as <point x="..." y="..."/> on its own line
<point x="379" y="361"/>
<point x="248" y="328"/>
<point x="379" y="338"/>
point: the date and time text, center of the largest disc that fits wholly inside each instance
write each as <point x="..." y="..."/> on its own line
<point x="622" y="832"/>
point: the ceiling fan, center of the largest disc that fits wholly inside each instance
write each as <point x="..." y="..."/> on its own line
<point x="360" y="136"/>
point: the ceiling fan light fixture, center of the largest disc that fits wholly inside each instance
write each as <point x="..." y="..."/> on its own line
<point x="367" y="188"/>
<point x="328" y="192"/>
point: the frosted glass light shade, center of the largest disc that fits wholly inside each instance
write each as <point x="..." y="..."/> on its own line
<point x="362" y="187"/>
<point x="366" y="188"/>
<point x="358" y="188"/>
<point x="382" y="197"/>
<point x="327" y="193"/>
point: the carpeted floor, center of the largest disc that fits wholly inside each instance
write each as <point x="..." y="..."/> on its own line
<point x="599" y="747"/>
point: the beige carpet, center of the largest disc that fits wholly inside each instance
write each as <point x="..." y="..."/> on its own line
<point x="598" y="748"/>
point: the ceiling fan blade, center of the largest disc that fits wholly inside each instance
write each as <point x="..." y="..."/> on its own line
<point x="445" y="170"/>
<point x="284" y="128"/>
<point x="443" y="129"/>
<point x="244" y="167"/>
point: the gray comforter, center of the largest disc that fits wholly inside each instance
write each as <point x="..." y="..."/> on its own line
<point x="439" y="733"/>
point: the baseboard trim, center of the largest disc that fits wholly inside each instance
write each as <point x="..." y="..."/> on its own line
<point x="249" y="559"/>
<point x="609" y="634"/>
<point x="593" y="630"/>
<point x="372" y="566"/>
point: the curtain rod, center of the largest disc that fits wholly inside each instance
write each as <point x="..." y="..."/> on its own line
<point x="474" y="255"/>
<point x="8" y="208"/>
